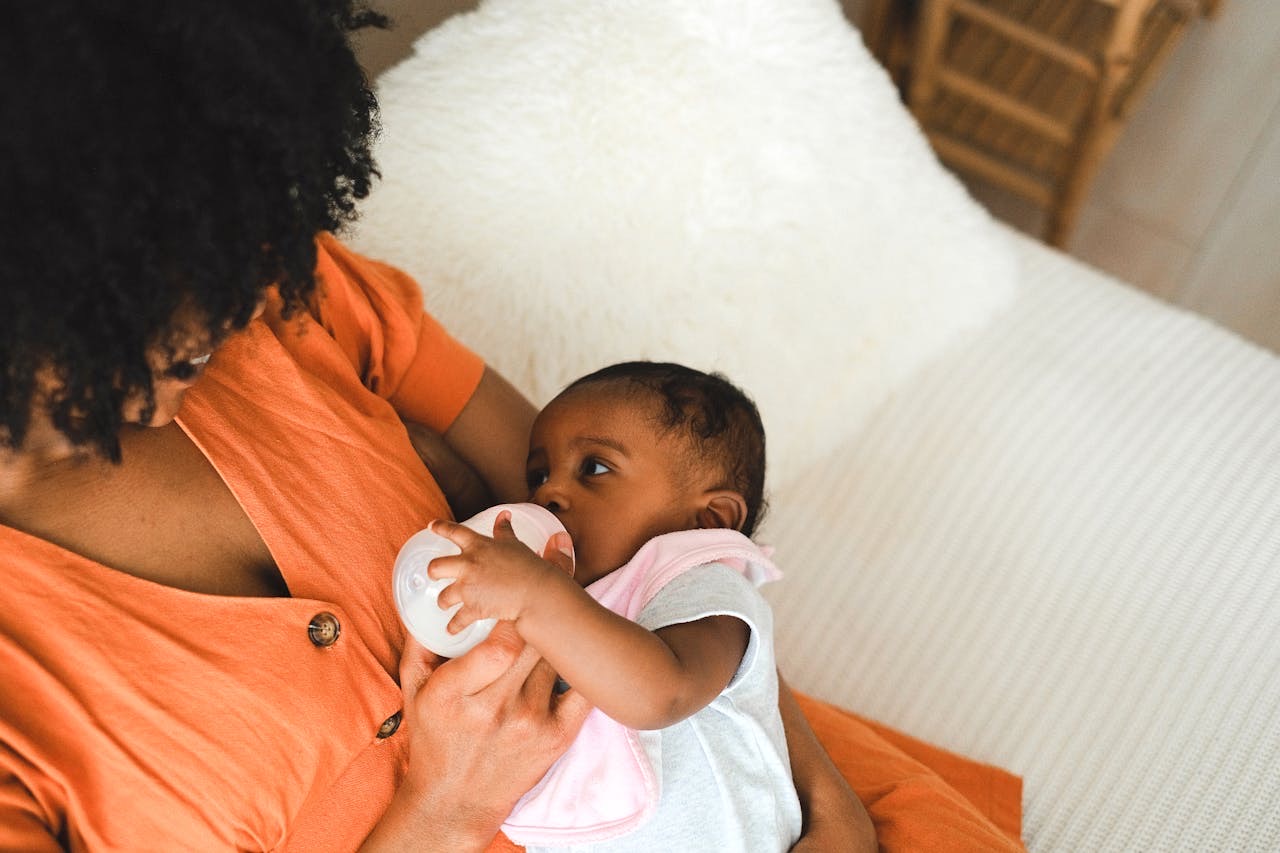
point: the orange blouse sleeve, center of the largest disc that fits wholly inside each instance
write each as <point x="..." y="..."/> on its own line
<point x="375" y="314"/>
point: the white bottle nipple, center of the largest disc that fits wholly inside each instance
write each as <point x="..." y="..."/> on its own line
<point x="416" y="594"/>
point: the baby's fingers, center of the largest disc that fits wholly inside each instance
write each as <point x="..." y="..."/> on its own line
<point x="460" y="620"/>
<point x="559" y="552"/>
<point x="443" y="568"/>
<point x="463" y="537"/>
<point x="502" y="529"/>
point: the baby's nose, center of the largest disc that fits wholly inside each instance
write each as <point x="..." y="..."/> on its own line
<point x="549" y="498"/>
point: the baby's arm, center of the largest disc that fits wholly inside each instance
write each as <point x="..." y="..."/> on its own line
<point x="643" y="679"/>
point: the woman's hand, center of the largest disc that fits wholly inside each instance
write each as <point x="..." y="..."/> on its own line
<point x="483" y="730"/>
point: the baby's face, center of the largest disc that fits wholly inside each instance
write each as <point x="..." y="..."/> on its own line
<point x="598" y="461"/>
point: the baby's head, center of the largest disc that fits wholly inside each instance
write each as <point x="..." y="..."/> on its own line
<point x="643" y="448"/>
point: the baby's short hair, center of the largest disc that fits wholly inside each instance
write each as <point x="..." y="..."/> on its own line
<point x="720" y="421"/>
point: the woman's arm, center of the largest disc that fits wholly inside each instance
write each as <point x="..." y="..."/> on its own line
<point x="834" y="817"/>
<point x="465" y="492"/>
<point x="491" y="435"/>
<point x="479" y="461"/>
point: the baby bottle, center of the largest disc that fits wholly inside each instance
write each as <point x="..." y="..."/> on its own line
<point x="416" y="593"/>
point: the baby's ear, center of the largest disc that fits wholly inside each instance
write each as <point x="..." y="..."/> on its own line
<point x="722" y="509"/>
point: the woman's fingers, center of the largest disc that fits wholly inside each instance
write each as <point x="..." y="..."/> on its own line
<point x="569" y="709"/>
<point x="540" y="687"/>
<point x="566" y="703"/>
<point x="510" y="678"/>
<point x="553" y="716"/>
<point x="490" y="663"/>
<point x="488" y="725"/>
<point x="416" y="666"/>
<point x="531" y="676"/>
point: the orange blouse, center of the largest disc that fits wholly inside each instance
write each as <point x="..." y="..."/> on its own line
<point x="135" y="716"/>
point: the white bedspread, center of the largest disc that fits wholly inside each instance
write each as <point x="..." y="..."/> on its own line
<point x="1058" y="550"/>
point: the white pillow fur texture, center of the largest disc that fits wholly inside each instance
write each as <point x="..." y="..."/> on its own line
<point x="730" y="185"/>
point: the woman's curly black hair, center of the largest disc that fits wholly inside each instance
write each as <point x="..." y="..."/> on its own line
<point x="157" y="156"/>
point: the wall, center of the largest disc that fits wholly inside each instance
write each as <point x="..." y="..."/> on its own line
<point x="380" y="49"/>
<point x="1188" y="204"/>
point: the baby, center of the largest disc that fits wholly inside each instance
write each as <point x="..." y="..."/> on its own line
<point x="657" y="473"/>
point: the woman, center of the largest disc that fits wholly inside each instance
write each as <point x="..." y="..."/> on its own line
<point x="203" y="478"/>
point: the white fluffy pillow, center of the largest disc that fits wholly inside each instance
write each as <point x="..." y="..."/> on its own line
<point x="732" y="185"/>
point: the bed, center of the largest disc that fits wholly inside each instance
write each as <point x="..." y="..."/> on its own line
<point x="1027" y="513"/>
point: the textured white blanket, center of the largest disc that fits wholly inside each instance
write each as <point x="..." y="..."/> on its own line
<point x="1059" y="551"/>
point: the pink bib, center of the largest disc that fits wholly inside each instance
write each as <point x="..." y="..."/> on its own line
<point x="604" y="785"/>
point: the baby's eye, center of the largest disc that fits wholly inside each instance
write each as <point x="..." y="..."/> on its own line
<point x="594" y="468"/>
<point x="535" y="478"/>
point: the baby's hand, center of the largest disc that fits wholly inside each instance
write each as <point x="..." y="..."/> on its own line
<point x="499" y="577"/>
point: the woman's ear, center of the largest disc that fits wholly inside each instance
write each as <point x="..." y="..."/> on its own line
<point x="722" y="509"/>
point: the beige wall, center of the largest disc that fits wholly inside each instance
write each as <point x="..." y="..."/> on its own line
<point x="380" y="49"/>
<point x="1187" y="206"/>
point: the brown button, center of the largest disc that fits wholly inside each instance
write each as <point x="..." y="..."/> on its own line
<point x="324" y="629"/>
<point x="389" y="726"/>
